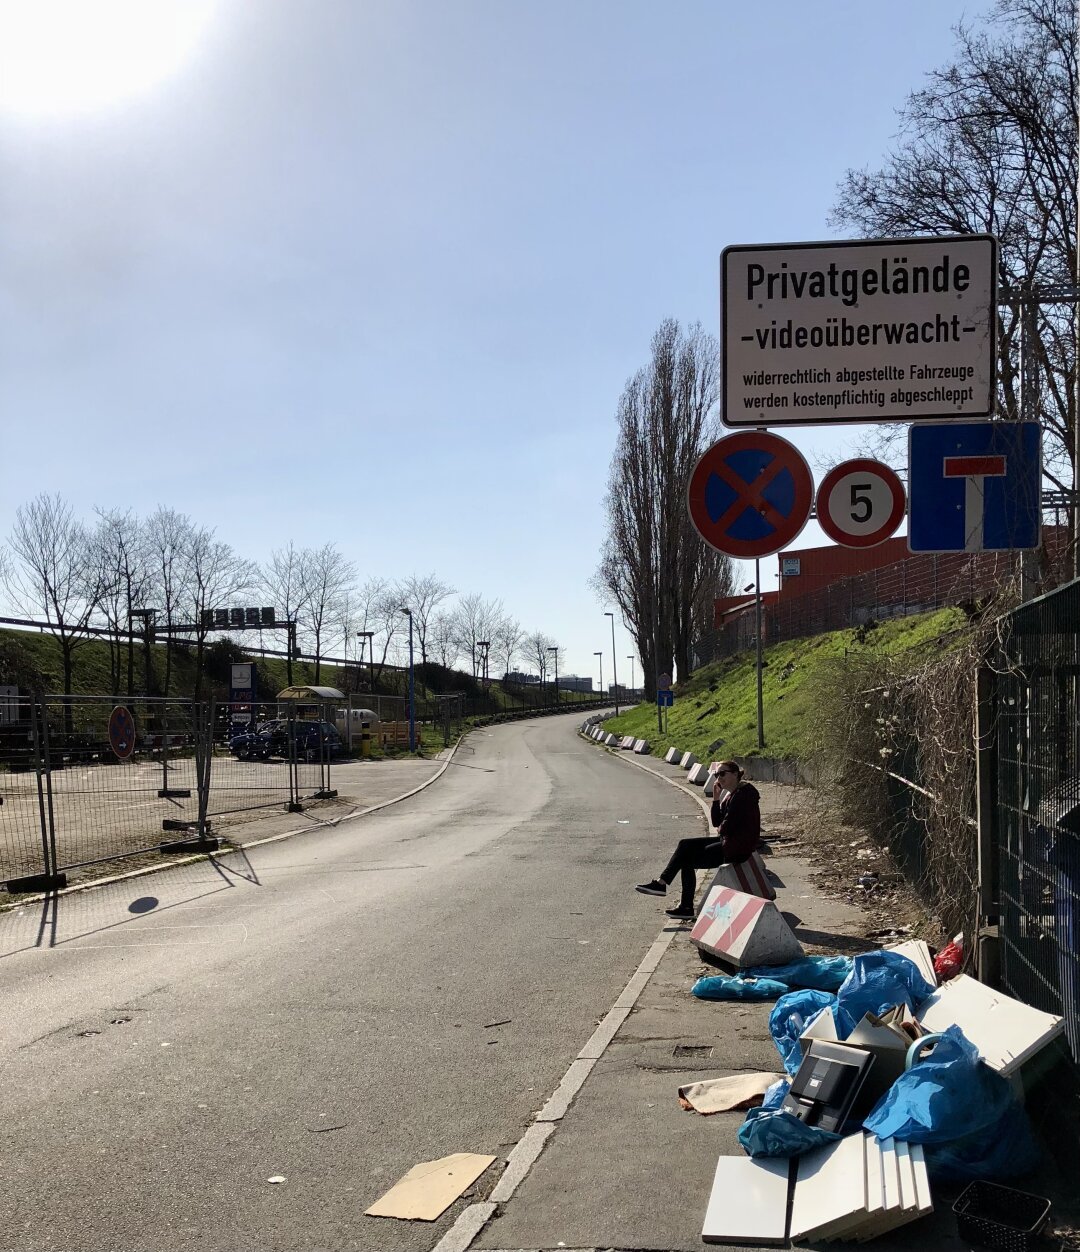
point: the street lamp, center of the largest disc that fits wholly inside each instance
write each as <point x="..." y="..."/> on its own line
<point x="631" y="660"/>
<point x="614" y="670"/>
<point x="412" y="685"/>
<point x="366" y="637"/>
<point x="147" y="616"/>
<point x="601" y="656"/>
<point x="555" y="650"/>
<point x="484" y="645"/>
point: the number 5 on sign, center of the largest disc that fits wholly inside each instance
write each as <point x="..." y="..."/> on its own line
<point x="860" y="503"/>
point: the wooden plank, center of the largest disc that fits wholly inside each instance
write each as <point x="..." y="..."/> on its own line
<point x="748" y="1202"/>
<point x="428" y="1189"/>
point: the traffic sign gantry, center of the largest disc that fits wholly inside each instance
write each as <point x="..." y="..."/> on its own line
<point x="975" y="486"/>
<point x="860" y="503"/>
<point x="750" y="494"/>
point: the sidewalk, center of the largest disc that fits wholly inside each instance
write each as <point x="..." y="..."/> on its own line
<point x="627" y="1168"/>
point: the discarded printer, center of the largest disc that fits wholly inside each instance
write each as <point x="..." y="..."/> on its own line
<point x="827" y="1085"/>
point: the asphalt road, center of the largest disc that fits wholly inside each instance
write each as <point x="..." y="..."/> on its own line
<point x="322" y="1009"/>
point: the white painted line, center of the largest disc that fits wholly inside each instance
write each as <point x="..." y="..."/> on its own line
<point x="620" y="1010"/>
<point x="572" y="1082"/>
<point x="521" y="1160"/>
<point x="470" y="1223"/>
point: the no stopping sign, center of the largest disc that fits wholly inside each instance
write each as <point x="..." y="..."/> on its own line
<point x="860" y="503"/>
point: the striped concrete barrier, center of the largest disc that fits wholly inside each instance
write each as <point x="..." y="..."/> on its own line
<point x="698" y="774"/>
<point x="687" y="760"/>
<point x="744" y="930"/>
<point x="641" y="747"/>
<point x="673" y="756"/>
<point x="749" y="876"/>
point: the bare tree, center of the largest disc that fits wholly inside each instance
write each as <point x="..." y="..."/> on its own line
<point x="507" y="639"/>
<point x="536" y="650"/>
<point x="168" y="540"/>
<point x="475" y="619"/>
<point x="653" y="563"/>
<point x="442" y="647"/>
<point x="122" y="556"/>
<point x="325" y="577"/>
<point x="989" y="145"/>
<point x="284" y="584"/>
<point x="214" y="577"/>
<point x="423" y="595"/>
<point x="54" y="573"/>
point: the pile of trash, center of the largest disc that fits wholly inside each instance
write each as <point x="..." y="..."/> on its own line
<point x="899" y="1070"/>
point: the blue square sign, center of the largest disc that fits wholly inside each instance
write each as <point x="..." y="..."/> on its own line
<point x="974" y="486"/>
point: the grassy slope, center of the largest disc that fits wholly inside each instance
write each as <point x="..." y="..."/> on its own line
<point x="719" y="702"/>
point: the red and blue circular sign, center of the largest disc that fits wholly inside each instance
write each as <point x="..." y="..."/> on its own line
<point x="122" y="732"/>
<point x="750" y="494"/>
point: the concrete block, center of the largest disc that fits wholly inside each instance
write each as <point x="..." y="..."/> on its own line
<point x="687" y="760"/>
<point x="641" y="747"/>
<point x="744" y="930"/>
<point x="749" y="877"/>
<point x="673" y="756"/>
<point x="626" y="743"/>
<point x="697" y="775"/>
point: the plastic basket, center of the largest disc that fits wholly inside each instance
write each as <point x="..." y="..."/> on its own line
<point x="998" y="1217"/>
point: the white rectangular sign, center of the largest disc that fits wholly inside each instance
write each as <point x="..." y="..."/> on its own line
<point x="891" y="330"/>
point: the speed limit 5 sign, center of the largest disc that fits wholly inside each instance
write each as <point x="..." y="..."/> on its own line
<point x="860" y="503"/>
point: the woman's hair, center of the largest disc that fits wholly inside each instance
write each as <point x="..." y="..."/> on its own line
<point x="733" y="765"/>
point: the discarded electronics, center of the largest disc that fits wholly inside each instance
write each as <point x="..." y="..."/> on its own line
<point x="744" y="930"/>
<point x="857" y="1188"/>
<point x="827" y="1084"/>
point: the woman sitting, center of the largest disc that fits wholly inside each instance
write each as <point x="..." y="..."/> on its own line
<point x="737" y="816"/>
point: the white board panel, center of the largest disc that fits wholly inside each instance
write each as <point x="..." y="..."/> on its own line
<point x="1005" y="1031"/>
<point x="830" y="1186"/>
<point x="748" y="1202"/>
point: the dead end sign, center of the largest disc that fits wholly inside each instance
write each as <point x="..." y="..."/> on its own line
<point x="750" y="494"/>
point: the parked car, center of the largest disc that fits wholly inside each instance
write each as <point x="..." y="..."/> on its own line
<point x="272" y="739"/>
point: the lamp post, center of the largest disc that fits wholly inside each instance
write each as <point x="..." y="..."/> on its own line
<point x="601" y="656"/>
<point x="147" y="616"/>
<point x="368" y="637"/>
<point x="756" y="587"/>
<point x="631" y="660"/>
<point x="412" y="685"/>
<point x="555" y="651"/>
<point x="484" y="645"/>
<point x="614" y="668"/>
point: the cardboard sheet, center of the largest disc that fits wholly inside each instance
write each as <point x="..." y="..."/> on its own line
<point x="428" y="1189"/>
<point x="719" y="1095"/>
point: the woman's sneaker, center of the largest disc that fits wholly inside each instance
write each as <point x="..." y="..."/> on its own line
<point x="680" y="914"/>
<point x="654" y="888"/>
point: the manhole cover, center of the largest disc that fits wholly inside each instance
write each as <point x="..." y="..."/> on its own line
<point x="686" y="1049"/>
<point x="119" y="1021"/>
<point x="85" y="1034"/>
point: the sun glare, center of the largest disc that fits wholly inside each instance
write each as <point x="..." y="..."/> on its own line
<point x="62" y="57"/>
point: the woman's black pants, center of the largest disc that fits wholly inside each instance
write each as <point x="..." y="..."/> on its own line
<point x="691" y="855"/>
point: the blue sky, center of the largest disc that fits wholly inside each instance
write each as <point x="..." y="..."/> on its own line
<point x="377" y="273"/>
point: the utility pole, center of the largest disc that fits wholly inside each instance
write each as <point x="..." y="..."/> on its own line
<point x="555" y="652"/>
<point x="412" y="685"/>
<point x="757" y="634"/>
<point x="631" y="660"/>
<point x="600" y="657"/>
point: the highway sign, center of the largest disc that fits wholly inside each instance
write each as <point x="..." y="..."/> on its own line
<point x="665" y="699"/>
<point x="887" y="330"/>
<point x="974" y="487"/>
<point x="750" y="494"/>
<point x="121" y="732"/>
<point x="860" y="503"/>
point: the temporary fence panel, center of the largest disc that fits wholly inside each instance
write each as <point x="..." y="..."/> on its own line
<point x="26" y="835"/>
<point x="1035" y="804"/>
<point x="117" y="776"/>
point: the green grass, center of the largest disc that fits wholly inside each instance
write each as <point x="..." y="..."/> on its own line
<point x="719" y="701"/>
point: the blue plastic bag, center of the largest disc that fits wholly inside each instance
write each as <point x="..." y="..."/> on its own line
<point x="769" y="1131"/>
<point x="965" y="1114"/>
<point x="822" y="973"/>
<point x="722" y="987"/>
<point x="877" y="981"/>
<point x="790" y="1017"/>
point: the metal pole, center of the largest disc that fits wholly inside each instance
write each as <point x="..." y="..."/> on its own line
<point x="757" y="617"/>
<point x="412" y="692"/>
<point x="631" y="660"/>
<point x="614" y="668"/>
<point x="600" y="658"/>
